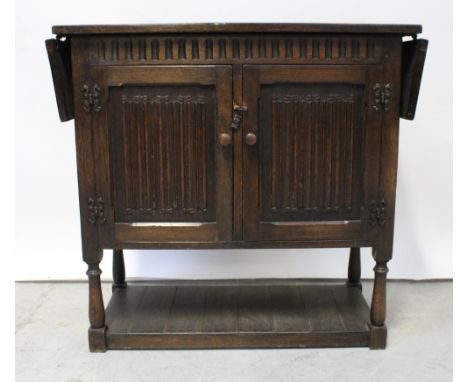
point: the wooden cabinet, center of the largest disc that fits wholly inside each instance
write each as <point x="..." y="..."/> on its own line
<point x="236" y="136"/>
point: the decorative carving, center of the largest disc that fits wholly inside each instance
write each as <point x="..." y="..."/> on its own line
<point x="244" y="49"/>
<point x="320" y="209"/>
<point x="386" y="98"/>
<point x="318" y="97"/>
<point x="377" y="96"/>
<point x="139" y="98"/>
<point x="381" y="268"/>
<point x="382" y="96"/>
<point x="91" y="98"/>
<point x="377" y="212"/>
<point x="237" y="116"/>
<point x="163" y="161"/>
<point x="312" y="140"/>
<point x="96" y="211"/>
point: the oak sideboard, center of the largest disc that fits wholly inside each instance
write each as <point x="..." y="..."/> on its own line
<point x="212" y="136"/>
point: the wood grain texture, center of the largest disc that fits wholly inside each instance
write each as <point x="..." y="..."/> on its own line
<point x="413" y="57"/>
<point x="379" y="295"/>
<point x="237" y="86"/>
<point x="85" y="159"/>
<point x="133" y="240"/>
<point x="311" y="149"/>
<point x="309" y="172"/>
<point x="401" y="29"/>
<point x="162" y="162"/>
<point x="59" y="53"/>
<point x="354" y="268"/>
<point x="118" y="269"/>
<point x="388" y="158"/>
<point x="162" y="156"/>
<point x="237" y="49"/>
<point x="200" y="314"/>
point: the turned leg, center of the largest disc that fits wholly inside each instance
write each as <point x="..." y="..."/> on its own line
<point x="378" y="337"/>
<point x="118" y="270"/>
<point x="354" y="268"/>
<point x="97" y="318"/>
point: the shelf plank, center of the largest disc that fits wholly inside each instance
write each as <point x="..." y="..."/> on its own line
<point x="221" y="309"/>
<point x="254" y="313"/>
<point x="240" y="314"/>
<point x="154" y="309"/>
<point x="186" y="312"/>
<point x="321" y="309"/>
<point x="288" y="309"/>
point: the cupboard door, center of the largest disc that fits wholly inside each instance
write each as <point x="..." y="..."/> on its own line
<point x="311" y="151"/>
<point x="170" y="178"/>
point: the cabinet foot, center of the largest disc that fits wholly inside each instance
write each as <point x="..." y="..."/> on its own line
<point x="378" y="305"/>
<point x="378" y="337"/>
<point x="97" y="340"/>
<point x="97" y="314"/>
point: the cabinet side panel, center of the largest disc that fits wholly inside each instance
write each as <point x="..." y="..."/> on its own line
<point x="84" y="152"/>
<point x="389" y="149"/>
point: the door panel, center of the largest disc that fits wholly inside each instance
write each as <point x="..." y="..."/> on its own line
<point x="167" y="169"/>
<point x="161" y="161"/>
<point x="311" y="149"/>
<point x="308" y="169"/>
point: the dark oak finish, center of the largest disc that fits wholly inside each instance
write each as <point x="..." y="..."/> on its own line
<point x="354" y="268"/>
<point x="236" y="136"/>
<point x="399" y="29"/>
<point x="60" y="63"/>
<point x="96" y="310"/>
<point x="379" y="297"/>
<point x="308" y="174"/>
<point x="237" y="314"/>
<point x="413" y="57"/>
<point x="118" y="270"/>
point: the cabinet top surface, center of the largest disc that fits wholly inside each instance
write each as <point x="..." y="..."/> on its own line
<point x="398" y="29"/>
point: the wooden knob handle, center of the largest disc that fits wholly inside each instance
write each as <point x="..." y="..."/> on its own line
<point x="251" y="139"/>
<point x="225" y="139"/>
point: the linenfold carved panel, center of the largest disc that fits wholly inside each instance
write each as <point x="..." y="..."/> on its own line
<point x="165" y="155"/>
<point x="311" y="151"/>
<point x="153" y="50"/>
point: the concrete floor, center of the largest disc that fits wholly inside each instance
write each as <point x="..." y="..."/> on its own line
<point x="51" y="345"/>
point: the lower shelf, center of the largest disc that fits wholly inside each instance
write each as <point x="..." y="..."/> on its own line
<point x="238" y="314"/>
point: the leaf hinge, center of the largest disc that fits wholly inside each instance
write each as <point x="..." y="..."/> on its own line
<point x="382" y="96"/>
<point x="91" y="98"/>
<point x="377" y="213"/>
<point x="96" y="210"/>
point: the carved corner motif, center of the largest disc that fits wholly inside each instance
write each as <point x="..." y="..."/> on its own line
<point x="91" y="98"/>
<point x="382" y="96"/>
<point x="377" y="213"/>
<point x="96" y="211"/>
